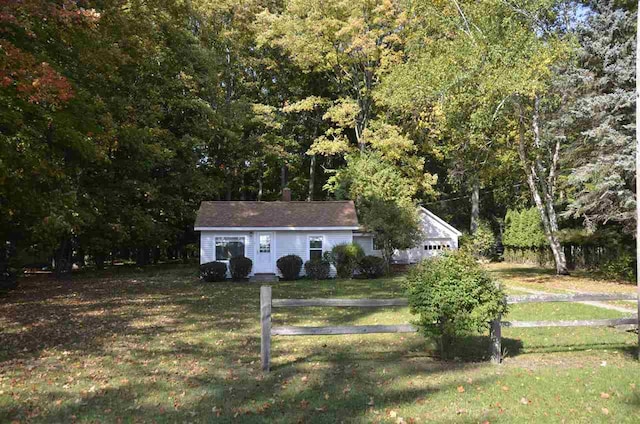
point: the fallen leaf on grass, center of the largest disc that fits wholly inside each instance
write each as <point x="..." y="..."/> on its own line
<point x="525" y="401"/>
<point x="460" y="389"/>
<point x="604" y="395"/>
<point x="605" y="411"/>
<point x="505" y="388"/>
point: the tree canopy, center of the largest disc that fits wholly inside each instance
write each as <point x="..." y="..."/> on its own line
<point x="117" y="118"/>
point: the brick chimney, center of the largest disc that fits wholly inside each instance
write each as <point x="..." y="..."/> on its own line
<point x="286" y="194"/>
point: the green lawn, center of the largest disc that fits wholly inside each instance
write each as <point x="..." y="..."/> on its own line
<point x="159" y="346"/>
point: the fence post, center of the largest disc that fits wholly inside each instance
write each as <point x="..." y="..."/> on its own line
<point x="265" y="325"/>
<point x="496" y="340"/>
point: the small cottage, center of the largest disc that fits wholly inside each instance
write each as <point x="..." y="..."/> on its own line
<point x="266" y="231"/>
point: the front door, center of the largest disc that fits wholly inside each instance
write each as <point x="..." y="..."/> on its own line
<point x="264" y="256"/>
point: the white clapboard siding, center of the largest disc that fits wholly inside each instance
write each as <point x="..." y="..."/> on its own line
<point x="297" y="243"/>
<point x="208" y="245"/>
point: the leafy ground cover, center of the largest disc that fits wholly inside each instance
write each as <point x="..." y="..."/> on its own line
<point x="159" y="346"/>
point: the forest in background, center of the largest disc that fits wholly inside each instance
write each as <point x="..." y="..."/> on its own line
<point x="117" y="117"/>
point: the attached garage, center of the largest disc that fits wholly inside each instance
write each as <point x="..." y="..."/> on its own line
<point x="438" y="237"/>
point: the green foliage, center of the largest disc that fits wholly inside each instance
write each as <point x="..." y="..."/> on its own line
<point x="453" y="297"/>
<point x="523" y="229"/>
<point x="317" y="269"/>
<point x="213" y="271"/>
<point x="371" y="266"/>
<point x="395" y="226"/>
<point x="621" y="267"/>
<point x="482" y="244"/>
<point x="289" y="266"/>
<point x="369" y="174"/>
<point x="600" y="92"/>
<point x="345" y="257"/>
<point x="240" y="267"/>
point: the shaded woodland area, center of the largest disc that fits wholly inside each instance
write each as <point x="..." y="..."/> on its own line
<point x="118" y="117"/>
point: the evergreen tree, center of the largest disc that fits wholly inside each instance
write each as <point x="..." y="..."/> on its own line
<point x="603" y="145"/>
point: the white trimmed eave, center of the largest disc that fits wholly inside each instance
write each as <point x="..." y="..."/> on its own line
<point x="441" y="221"/>
<point x="345" y="228"/>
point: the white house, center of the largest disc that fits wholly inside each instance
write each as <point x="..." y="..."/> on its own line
<point x="266" y="231"/>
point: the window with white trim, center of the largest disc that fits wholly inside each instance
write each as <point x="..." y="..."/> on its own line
<point x="229" y="247"/>
<point x="377" y="245"/>
<point x="315" y="247"/>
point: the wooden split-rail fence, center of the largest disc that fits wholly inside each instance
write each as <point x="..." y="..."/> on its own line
<point x="267" y="330"/>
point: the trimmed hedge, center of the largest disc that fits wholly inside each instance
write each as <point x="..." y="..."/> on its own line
<point x="289" y="266"/>
<point x="317" y="269"/>
<point x="213" y="271"/>
<point x="240" y="267"/>
<point x="371" y="266"/>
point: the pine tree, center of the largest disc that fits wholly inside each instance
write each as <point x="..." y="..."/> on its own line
<point x="603" y="149"/>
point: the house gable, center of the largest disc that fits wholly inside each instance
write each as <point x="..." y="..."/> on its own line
<point x="435" y="227"/>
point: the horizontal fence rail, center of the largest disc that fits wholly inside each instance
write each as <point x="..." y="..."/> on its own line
<point x="574" y="297"/>
<point x="358" y="303"/>
<point x="267" y="303"/>
<point x="342" y="329"/>
<point x="496" y="326"/>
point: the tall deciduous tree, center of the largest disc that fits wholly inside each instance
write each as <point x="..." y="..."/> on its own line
<point x="488" y="67"/>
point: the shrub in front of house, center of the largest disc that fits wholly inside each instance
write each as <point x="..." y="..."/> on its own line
<point x="289" y="266"/>
<point x="345" y="258"/>
<point x="213" y="271"/>
<point x="452" y="297"/>
<point x="371" y="266"/>
<point x="317" y="269"/>
<point x="240" y="267"/>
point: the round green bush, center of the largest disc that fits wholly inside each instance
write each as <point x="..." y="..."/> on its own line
<point x="240" y="267"/>
<point x="452" y="297"/>
<point x="213" y="271"/>
<point x="289" y="266"/>
<point x="371" y="266"/>
<point x="317" y="269"/>
<point x="345" y="258"/>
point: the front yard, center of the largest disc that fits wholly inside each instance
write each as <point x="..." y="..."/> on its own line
<point x="160" y="346"/>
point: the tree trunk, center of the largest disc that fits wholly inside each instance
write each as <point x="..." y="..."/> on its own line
<point x="63" y="259"/>
<point x="475" y="206"/>
<point x="260" y="187"/>
<point x="536" y="186"/>
<point x="312" y="177"/>
<point x="283" y="176"/>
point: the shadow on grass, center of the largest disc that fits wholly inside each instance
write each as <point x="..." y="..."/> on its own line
<point x="165" y="348"/>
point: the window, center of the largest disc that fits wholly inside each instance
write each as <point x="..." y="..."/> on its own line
<point x="376" y="244"/>
<point x="315" y="247"/>
<point x="265" y="243"/>
<point x="229" y="247"/>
